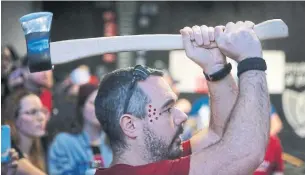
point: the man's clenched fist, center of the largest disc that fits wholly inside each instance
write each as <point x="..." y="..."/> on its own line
<point x="196" y="40"/>
<point x="238" y="41"/>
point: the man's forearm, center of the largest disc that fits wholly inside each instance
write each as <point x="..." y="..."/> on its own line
<point x="248" y="129"/>
<point x="223" y="95"/>
<point x="243" y="145"/>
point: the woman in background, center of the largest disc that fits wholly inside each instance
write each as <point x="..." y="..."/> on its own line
<point x="26" y="116"/>
<point x="9" y="61"/>
<point x="84" y="145"/>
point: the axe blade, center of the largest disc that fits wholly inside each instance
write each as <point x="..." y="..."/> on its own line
<point x="36" y="28"/>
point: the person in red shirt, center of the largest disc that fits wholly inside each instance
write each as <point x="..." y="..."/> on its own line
<point x="136" y="108"/>
<point x="273" y="162"/>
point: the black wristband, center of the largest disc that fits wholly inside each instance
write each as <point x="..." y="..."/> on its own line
<point x="255" y="63"/>
<point x="219" y="74"/>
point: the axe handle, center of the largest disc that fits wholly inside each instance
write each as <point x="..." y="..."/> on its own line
<point x="71" y="50"/>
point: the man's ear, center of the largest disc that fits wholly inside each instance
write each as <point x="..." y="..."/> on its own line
<point x="130" y="125"/>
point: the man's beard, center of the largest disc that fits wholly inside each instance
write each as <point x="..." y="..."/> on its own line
<point x="159" y="149"/>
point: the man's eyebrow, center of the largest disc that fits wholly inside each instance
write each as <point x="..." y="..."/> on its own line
<point x="168" y="102"/>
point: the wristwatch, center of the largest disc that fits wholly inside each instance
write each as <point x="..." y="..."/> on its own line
<point x="219" y="74"/>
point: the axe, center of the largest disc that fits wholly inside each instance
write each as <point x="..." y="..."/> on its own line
<point x="42" y="53"/>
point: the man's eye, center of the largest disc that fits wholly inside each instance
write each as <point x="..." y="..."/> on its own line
<point x="169" y="110"/>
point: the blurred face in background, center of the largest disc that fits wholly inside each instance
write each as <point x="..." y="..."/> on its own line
<point x="31" y="119"/>
<point x="6" y="61"/>
<point x="44" y="79"/>
<point x="89" y="110"/>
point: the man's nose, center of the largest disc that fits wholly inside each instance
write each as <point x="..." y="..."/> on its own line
<point x="179" y="117"/>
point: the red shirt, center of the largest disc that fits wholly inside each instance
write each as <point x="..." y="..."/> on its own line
<point x="179" y="166"/>
<point x="273" y="161"/>
<point x="46" y="99"/>
<point x="97" y="155"/>
<point x="93" y="80"/>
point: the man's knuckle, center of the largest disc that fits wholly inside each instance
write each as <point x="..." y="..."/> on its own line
<point x="218" y="28"/>
<point x="229" y="23"/>
<point x="195" y="27"/>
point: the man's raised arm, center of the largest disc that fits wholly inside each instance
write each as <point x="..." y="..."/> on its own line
<point x="242" y="147"/>
<point x="223" y="92"/>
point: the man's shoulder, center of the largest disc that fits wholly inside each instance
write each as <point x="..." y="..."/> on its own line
<point x="117" y="170"/>
<point x="165" y="167"/>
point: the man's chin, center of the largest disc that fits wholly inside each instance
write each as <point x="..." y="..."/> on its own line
<point x="176" y="151"/>
<point x="177" y="144"/>
<point x="176" y="155"/>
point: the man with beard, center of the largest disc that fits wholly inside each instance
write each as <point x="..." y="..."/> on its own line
<point x="136" y="108"/>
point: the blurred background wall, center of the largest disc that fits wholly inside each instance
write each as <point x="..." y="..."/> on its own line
<point x="10" y="26"/>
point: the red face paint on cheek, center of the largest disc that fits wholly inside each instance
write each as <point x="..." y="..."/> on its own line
<point x="159" y="116"/>
<point x="149" y="112"/>
<point x="152" y="112"/>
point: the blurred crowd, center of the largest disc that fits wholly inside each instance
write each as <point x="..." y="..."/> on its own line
<point x="54" y="129"/>
<point x="53" y="125"/>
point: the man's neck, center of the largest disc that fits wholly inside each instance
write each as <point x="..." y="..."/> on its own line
<point x="25" y="143"/>
<point x="130" y="157"/>
<point x="94" y="133"/>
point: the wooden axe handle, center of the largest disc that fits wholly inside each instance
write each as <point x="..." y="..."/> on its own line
<point x="71" y="50"/>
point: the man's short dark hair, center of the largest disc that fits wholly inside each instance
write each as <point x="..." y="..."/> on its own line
<point x="110" y="101"/>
